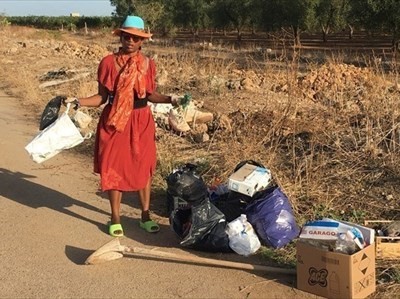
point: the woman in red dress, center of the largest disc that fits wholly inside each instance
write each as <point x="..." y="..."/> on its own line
<point x="125" y="149"/>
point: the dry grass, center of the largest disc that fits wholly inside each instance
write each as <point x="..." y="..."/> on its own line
<point x="329" y="132"/>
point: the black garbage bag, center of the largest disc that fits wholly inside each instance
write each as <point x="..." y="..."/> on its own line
<point x="201" y="227"/>
<point x="231" y="204"/>
<point x="50" y="112"/>
<point x="185" y="187"/>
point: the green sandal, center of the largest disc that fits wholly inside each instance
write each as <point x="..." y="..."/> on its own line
<point x="149" y="226"/>
<point x="115" y="230"/>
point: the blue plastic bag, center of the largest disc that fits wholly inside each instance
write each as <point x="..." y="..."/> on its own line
<point x="272" y="217"/>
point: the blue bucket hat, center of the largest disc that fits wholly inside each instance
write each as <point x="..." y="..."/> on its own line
<point x="133" y="25"/>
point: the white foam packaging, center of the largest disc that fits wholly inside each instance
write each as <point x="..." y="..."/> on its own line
<point x="249" y="179"/>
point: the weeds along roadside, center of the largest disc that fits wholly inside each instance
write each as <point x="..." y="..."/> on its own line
<point x="328" y="132"/>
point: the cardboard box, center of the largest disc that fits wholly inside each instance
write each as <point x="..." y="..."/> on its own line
<point x="336" y="275"/>
<point x="249" y="179"/>
<point x="386" y="247"/>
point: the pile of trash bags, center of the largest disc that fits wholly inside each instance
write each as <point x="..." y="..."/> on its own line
<point x="217" y="219"/>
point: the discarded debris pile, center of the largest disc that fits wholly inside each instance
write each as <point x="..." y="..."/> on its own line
<point x="184" y="120"/>
<point x="83" y="52"/>
<point x="232" y="215"/>
<point x="62" y="75"/>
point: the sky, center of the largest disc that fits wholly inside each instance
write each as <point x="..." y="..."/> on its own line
<point x="55" y="7"/>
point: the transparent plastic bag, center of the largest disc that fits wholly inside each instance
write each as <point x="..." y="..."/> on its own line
<point x="345" y="244"/>
<point x="242" y="237"/>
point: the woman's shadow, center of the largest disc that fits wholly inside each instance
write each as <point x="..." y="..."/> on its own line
<point x="17" y="187"/>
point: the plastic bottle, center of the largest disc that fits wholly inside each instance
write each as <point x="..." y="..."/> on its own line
<point x="356" y="240"/>
<point x="345" y="244"/>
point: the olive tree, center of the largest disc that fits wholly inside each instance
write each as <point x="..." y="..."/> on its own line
<point x="189" y="14"/>
<point x="381" y="15"/>
<point x="123" y="7"/>
<point x="332" y="15"/>
<point x="237" y="14"/>
<point x="152" y="11"/>
<point x="299" y="15"/>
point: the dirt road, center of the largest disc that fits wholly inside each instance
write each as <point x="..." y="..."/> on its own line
<point x="53" y="217"/>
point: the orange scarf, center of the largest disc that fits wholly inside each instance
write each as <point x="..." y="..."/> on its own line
<point x="131" y="77"/>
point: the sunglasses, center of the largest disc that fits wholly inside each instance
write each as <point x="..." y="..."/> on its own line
<point x="128" y="37"/>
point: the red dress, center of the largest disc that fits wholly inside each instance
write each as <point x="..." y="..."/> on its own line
<point x="124" y="160"/>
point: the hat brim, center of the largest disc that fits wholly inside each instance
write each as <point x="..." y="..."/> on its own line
<point x="132" y="31"/>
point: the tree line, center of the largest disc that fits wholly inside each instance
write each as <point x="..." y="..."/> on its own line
<point x="311" y="16"/>
<point x="65" y="22"/>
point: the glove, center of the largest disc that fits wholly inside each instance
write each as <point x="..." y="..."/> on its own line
<point x="73" y="101"/>
<point x="182" y="101"/>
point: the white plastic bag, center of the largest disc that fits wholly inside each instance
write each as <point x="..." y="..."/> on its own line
<point x="242" y="237"/>
<point x="60" y="135"/>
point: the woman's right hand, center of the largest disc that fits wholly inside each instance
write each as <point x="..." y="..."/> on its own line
<point x="74" y="101"/>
